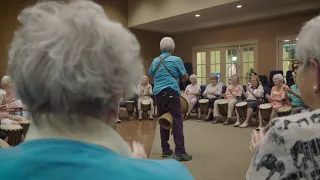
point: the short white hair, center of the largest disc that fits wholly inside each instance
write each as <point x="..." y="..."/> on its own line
<point x="308" y="45"/>
<point x="193" y="76"/>
<point x="278" y="76"/>
<point x="67" y="56"/>
<point x="167" y="45"/>
<point x="6" y="80"/>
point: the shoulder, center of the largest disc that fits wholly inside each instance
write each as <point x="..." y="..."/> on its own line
<point x="160" y="169"/>
<point x="175" y="58"/>
<point x="293" y="86"/>
<point x="188" y="86"/>
<point x="260" y="87"/>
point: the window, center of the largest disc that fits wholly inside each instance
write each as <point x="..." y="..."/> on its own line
<point x="288" y="56"/>
<point x="247" y="63"/>
<point x="231" y="63"/>
<point x="201" y="68"/>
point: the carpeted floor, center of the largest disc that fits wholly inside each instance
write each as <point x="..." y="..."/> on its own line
<point x="219" y="152"/>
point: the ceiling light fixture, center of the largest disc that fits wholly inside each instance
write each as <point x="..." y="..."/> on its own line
<point x="239" y="6"/>
<point x="197" y="15"/>
<point x="286" y="40"/>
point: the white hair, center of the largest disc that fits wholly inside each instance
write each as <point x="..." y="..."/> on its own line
<point x="142" y="77"/>
<point x="67" y="56"/>
<point x="278" y="76"/>
<point x="6" y="80"/>
<point x="167" y="45"/>
<point x="308" y="45"/>
<point x="193" y="76"/>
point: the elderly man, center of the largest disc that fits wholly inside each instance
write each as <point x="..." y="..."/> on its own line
<point x="167" y="70"/>
<point x="70" y="65"/>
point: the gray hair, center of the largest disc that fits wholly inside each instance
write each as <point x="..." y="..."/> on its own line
<point x="193" y="76"/>
<point x="6" y="80"/>
<point x="67" y="57"/>
<point x="167" y="45"/>
<point x="308" y="45"/>
<point x="278" y="76"/>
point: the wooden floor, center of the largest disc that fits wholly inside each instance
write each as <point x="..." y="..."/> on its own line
<point x="141" y="131"/>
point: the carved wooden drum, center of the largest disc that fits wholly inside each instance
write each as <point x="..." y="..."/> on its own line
<point x="14" y="133"/>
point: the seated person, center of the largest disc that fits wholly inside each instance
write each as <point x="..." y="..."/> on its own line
<point x="193" y="91"/>
<point x="145" y="93"/>
<point x="254" y="97"/>
<point x="212" y="92"/>
<point x="233" y="91"/>
<point x="277" y="99"/>
<point x="293" y="94"/>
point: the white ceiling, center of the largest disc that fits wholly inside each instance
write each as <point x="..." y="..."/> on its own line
<point x="228" y="14"/>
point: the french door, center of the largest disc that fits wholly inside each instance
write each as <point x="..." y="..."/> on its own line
<point x="225" y="62"/>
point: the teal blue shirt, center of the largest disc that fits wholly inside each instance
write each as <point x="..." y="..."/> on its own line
<point x="294" y="100"/>
<point x="54" y="159"/>
<point x="162" y="78"/>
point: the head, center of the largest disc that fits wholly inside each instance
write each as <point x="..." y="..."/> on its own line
<point x="235" y="79"/>
<point x="144" y="80"/>
<point x="294" y="77"/>
<point x="167" y="45"/>
<point x="253" y="74"/>
<point x="214" y="79"/>
<point x="6" y="82"/>
<point x="277" y="79"/>
<point x="255" y="80"/>
<point x="193" y="79"/>
<point x="69" y="58"/>
<point x="308" y="55"/>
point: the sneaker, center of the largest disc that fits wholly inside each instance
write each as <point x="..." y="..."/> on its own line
<point x="182" y="157"/>
<point x="237" y="124"/>
<point x="118" y="121"/>
<point x="200" y="120"/>
<point x="167" y="154"/>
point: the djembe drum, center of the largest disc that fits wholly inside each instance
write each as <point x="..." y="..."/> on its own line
<point x="130" y="109"/>
<point x="242" y="109"/>
<point x="14" y="133"/>
<point x="284" y="111"/>
<point x="204" y="106"/>
<point x="265" y="110"/>
<point x="25" y="123"/>
<point x="185" y="103"/>
<point x="145" y="107"/>
<point x="223" y="107"/>
<point x="166" y="120"/>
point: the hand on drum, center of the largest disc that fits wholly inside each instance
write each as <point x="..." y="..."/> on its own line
<point x="256" y="137"/>
<point x="138" y="150"/>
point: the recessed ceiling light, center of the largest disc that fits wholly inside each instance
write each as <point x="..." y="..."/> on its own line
<point x="239" y="6"/>
<point x="297" y="39"/>
<point x="197" y="15"/>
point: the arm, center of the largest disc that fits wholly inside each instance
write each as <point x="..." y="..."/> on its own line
<point x="182" y="70"/>
<point x="259" y="92"/>
<point x="218" y="92"/>
<point x="151" y="70"/>
<point x="150" y="90"/>
<point x="206" y="91"/>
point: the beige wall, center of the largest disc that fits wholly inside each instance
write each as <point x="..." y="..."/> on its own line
<point x="264" y="31"/>
<point x="115" y="10"/>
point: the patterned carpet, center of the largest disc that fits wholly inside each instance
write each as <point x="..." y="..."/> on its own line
<point x="219" y="152"/>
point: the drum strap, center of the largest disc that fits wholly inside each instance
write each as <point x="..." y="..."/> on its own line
<point x="164" y="65"/>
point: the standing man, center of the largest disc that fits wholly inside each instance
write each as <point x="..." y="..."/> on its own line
<point x="167" y="70"/>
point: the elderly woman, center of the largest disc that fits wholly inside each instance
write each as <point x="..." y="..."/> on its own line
<point x="212" y="92"/>
<point x="254" y="97"/>
<point x="167" y="70"/>
<point x="277" y="99"/>
<point x="193" y="91"/>
<point x="290" y="148"/>
<point x="293" y="94"/>
<point x="70" y="64"/>
<point x="145" y="93"/>
<point x="233" y="91"/>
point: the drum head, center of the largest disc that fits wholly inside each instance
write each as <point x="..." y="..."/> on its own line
<point x="146" y="102"/>
<point x="241" y="104"/>
<point x="11" y="127"/>
<point x="223" y="101"/>
<point x="285" y="109"/>
<point x="203" y="101"/>
<point x="265" y="106"/>
<point x="129" y="101"/>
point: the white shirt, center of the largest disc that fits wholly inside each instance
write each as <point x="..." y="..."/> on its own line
<point x="289" y="150"/>
<point x="210" y="90"/>
<point x="256" y="90"/>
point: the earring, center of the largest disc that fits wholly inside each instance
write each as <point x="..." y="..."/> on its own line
<point x="315" y="88"/>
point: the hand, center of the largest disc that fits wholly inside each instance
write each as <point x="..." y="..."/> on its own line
<point x="2" y="107"/>
<point x="285" y="89"/>
<point x="256" y="137"/>
<point x="138" y="150"/>
<point x="269" y="97"/>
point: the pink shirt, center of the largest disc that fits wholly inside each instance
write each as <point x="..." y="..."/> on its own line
<point x="236" y="91"/>
<point x="192" y="89"/>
